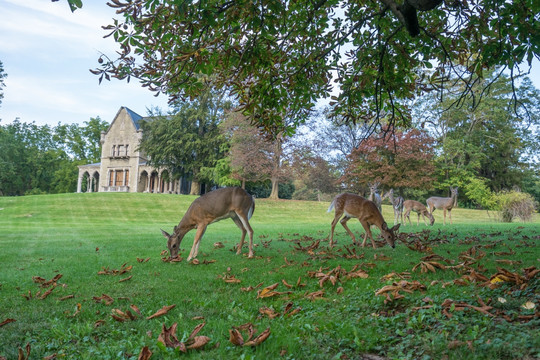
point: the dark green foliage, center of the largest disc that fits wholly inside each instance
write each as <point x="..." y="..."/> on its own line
<point x="279" y="58"/>
<point x="40" y="159"/>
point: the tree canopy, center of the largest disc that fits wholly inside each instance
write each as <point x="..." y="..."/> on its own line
<point x="281" y="57"/>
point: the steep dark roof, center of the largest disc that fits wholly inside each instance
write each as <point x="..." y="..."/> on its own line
<point x="134" y="117"/>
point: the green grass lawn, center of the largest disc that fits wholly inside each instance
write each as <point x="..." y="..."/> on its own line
<point x="450" y="313"/>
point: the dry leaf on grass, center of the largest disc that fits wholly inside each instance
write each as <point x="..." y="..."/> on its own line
<point x="123" y="269"/>
<point x="315" y="295"/>
<point x="237" y="339"/>
<point x="169" y="259"/>
<point x="125" y="279"/>
<point x="46" y="283"/>
<point x="122" y="316"/>
<point x="230" y="279"/>
<point x="169" y="339"/>
<point x="145" y="354"/>
<point x="7" y="321"/>
<point x="269" y="292"/>
<point x="22" y="355"/>
<point x="143" y="260"/>
<point x="164" y="310"/>
<point x="426" y="266"/>
<point x="104" y="298"/>
<point x="392" y="292"/>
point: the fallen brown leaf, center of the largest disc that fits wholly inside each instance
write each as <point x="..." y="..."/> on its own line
<point x="7" y="321"/>
<point x="164" y="310"/>
<point x="125" y="279"/>
<point x="145" y="354"/>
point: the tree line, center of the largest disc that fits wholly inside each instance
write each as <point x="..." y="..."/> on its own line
<point x="484" y="149"/>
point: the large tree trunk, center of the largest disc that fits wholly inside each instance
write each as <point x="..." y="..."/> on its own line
<point x="195" y="188"/>
<point x="276" y="169"/>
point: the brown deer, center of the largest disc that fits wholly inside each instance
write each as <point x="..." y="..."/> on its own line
<point x="354" y="206"/>
<point x="446" y="204"/>
<point x="397" y="205"/>
<point x="418" y="208"/>
<point x="231" y="202"/>
<point x="374" y="195"/>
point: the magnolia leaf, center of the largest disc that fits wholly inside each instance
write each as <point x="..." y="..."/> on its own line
<point x="236" y="337"/>
<point x="529" y="305"/>
<point x="198" y="342"/>
<point x="168" y="336"/>
<point x="7" y="321"/>
<point x="259" y="339"/>
<point x="145" y="354"/>
<point x="164" y="310"/>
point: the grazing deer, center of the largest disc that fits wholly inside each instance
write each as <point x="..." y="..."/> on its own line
<point x="374" y="195"/>
<point x="354" y="206"/>
<point x="397" y="205"/>
<point x="419" y="209"/>
<point x="446" y="204"/>
<point x="231" y="202"/>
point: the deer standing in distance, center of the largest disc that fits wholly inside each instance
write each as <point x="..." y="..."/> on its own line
<point x="446" y="203"/>
<point x="354" y="206"/>
<point x="419" y="209"/>
<point x="397" y="205"/>
<point x="230" y="202"/>
<point x="374" y="195"/>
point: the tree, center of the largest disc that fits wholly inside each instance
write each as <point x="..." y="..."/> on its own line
<point x="401" y="160"/>
<point x="281" y="57"/>
<point x="3" y="75"/>
<point x="254" y="157"/>
<point x="82" y="143"/>
<point x="187" y="141"/>
<point x="313" y="174"/>
<point x="491" y="140"/>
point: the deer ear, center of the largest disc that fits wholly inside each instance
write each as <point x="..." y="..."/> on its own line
<point x="384" y="226"/>
<point x="166" y="234"/>
<point x="396" y="228"/>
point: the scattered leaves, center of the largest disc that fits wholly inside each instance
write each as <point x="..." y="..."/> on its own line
<point x="123" y="269"/>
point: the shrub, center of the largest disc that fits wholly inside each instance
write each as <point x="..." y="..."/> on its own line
<point x="513" y="204"/>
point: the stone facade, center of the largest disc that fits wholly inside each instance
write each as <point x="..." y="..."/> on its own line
<point x="123" y="167"/>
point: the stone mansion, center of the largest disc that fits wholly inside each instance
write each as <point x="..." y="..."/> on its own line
<point x="123" y="167"/>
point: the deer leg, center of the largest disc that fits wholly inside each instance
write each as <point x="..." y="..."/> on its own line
<point x="238" y="223"/>
<point x="444" y="212"/>
<point x="198" y="236"/>
<point x="450" y="216"/>
<point x="344" y="223"/>
<point x="367" y="233"/>
<point x="407" y="213"/>
<point x="333" y="226"/>
<point x="247" y="226"/>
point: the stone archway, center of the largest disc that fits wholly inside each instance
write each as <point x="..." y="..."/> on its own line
<point x="143" y="185"/>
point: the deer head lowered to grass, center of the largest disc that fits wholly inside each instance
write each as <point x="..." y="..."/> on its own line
<point x="354" y="206"/>
<point x="232" y="202"/>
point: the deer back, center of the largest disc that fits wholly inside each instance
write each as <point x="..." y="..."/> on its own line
<point x="217" y="205"/>
<point x="358" y="207"/>
<point x="414" y="205"/>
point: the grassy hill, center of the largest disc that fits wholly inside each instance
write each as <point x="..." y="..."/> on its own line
<point x="79" y="236"/>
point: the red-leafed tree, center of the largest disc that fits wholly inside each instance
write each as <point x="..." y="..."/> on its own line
<point x="399" y="160"/>
<point x="252" y="156"/>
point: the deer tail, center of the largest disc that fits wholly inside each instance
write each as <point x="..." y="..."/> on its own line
<point x="331" y="205"/>
<point x="251" y="209"/>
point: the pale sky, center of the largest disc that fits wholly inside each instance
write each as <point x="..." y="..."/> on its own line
<point x="47" y="51"/>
